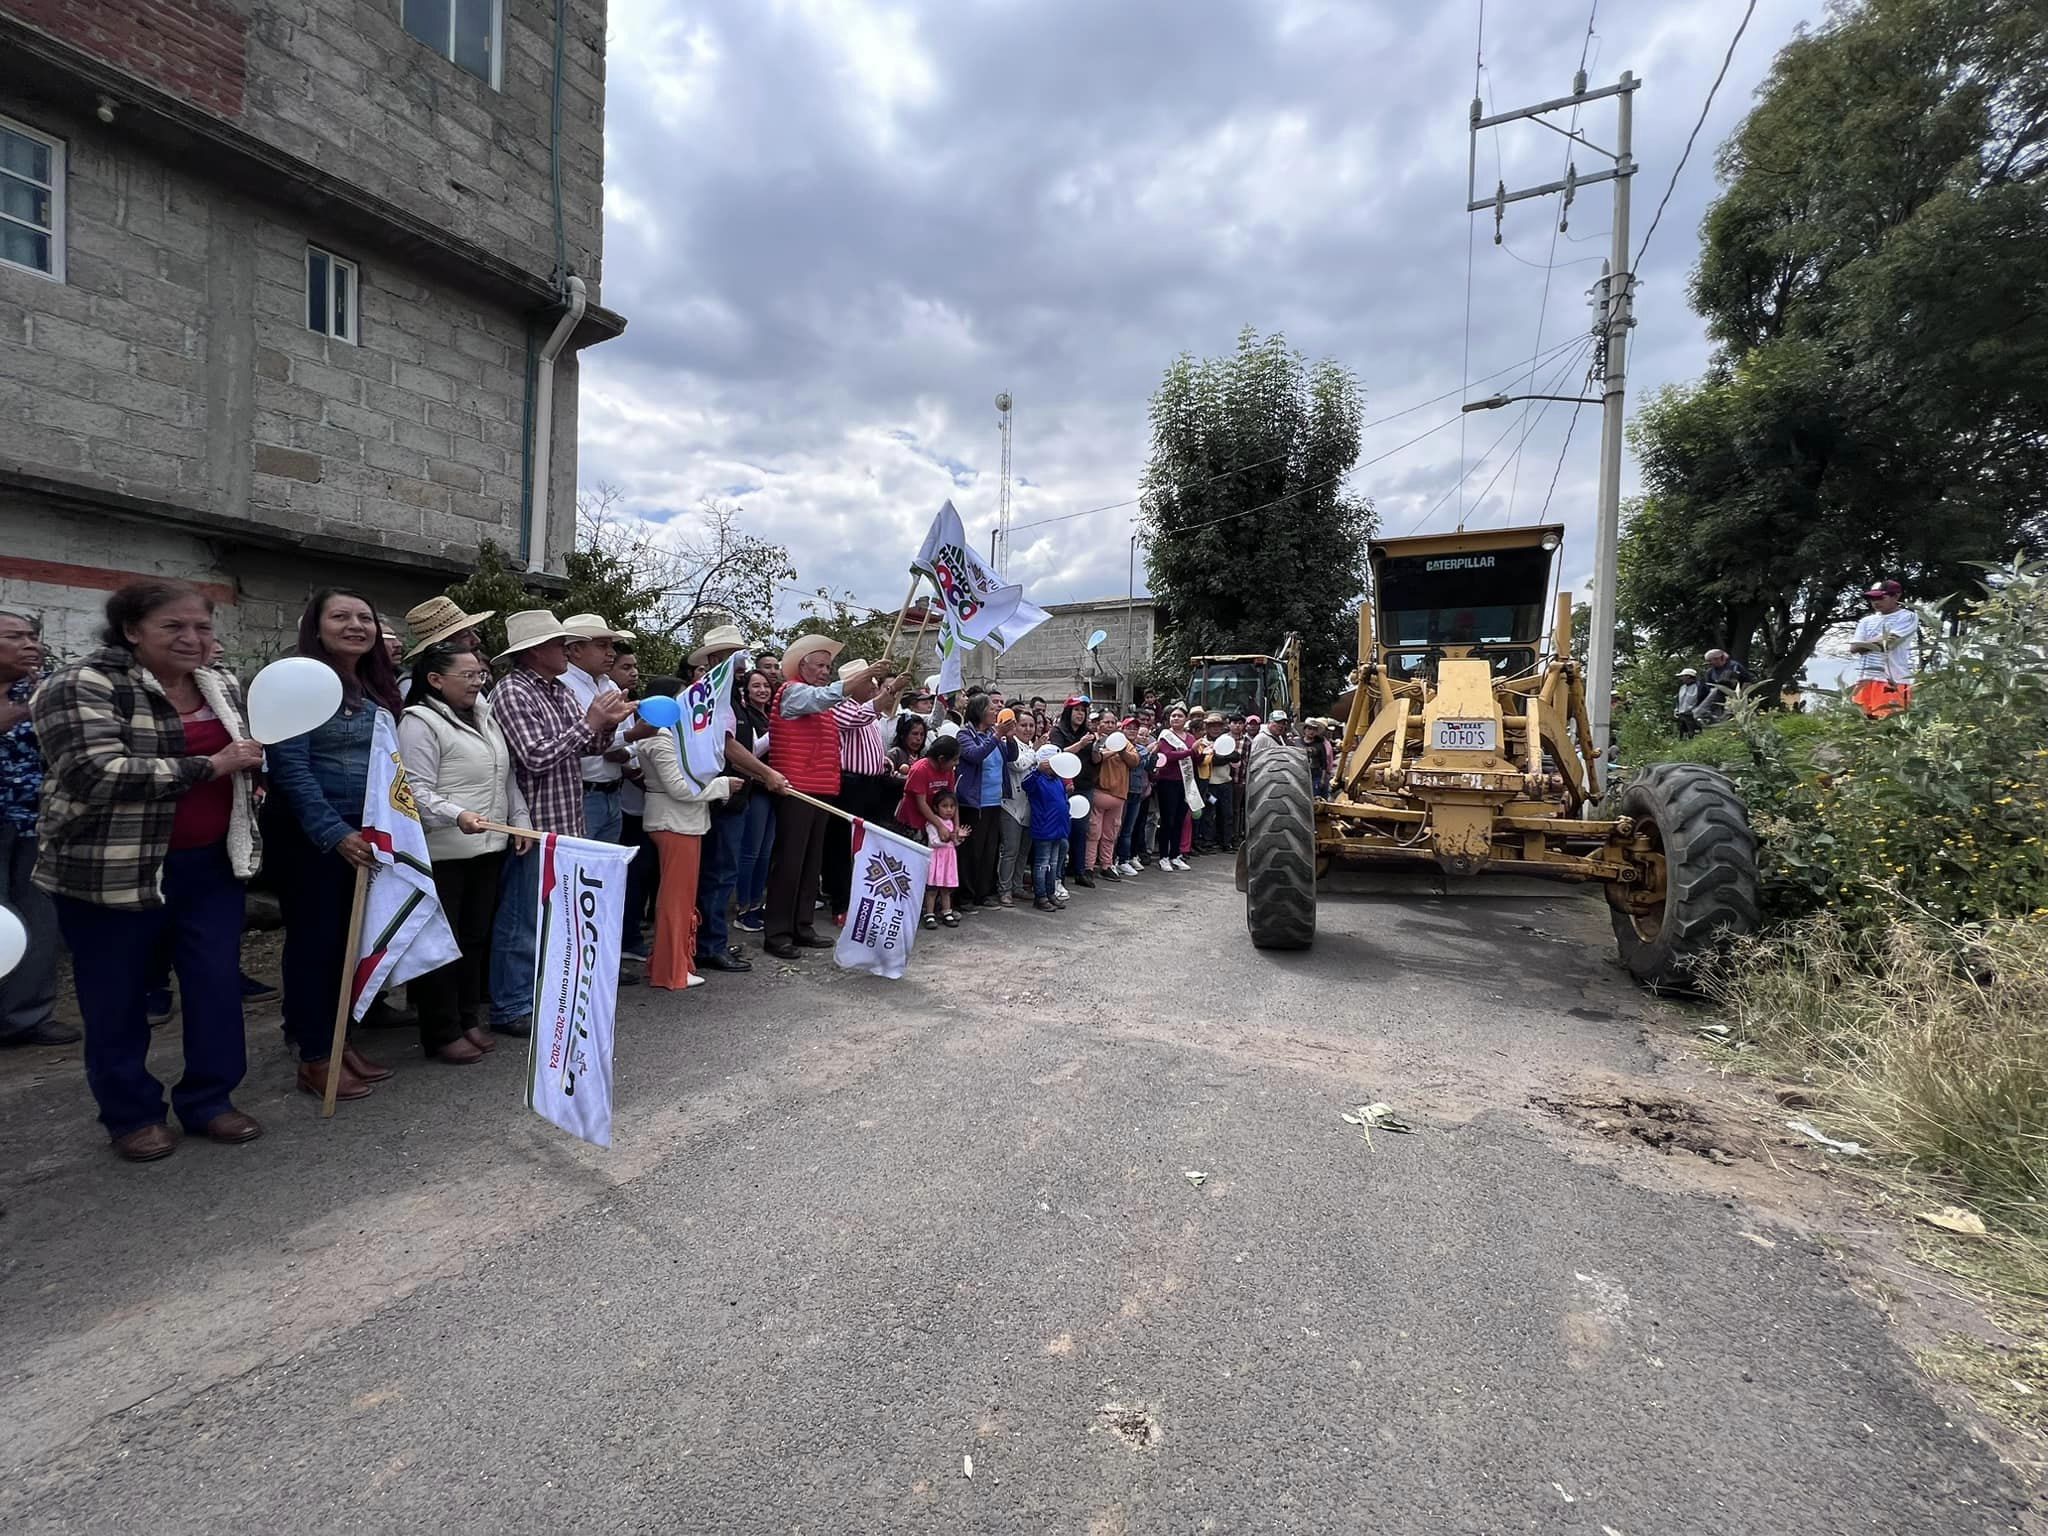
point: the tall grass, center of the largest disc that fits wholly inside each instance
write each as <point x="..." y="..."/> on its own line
<point x="1931" y="1045"/>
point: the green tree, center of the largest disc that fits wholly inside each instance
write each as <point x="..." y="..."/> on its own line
<point x="1249" y="535"/>
<point x="1871" y="276"/>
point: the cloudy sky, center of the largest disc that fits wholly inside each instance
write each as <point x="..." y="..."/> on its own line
<point x="838" y="228"/>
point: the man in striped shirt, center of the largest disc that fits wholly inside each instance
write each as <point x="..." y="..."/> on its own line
<point x="868" y="788"/>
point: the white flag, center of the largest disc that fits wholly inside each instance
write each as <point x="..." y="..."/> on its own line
<point x="405" y="933"/>
<point x="889" y="874"/>
<point x="951" y="650"/>
<point x="976" y="597"/>
<point x="708" y="720"/>
<point x="1027" y="618"/>
<point x="576" y="983"/>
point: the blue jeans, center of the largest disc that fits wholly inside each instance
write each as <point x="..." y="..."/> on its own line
<point x="512" y="940"/>
<point x="202" y="913"/>
<point x="1220" y="820"/>
<point x="1133" y="808"/>
<point x="717" y="879"/>
<point x="28" y="993"/>
<point x="757" y="844"/>
<point x="643" y="878"/>
<point x="1046" y="858"/>
<point x="604" y="816"/>
<point x="315" y="890"/>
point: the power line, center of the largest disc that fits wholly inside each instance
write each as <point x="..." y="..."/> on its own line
<point x="1705" y="107"/>
<point x="1561" y="452"/>
<point x="1556" y="379"/>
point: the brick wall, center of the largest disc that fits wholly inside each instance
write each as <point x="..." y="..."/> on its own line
<point x="174" y="364"/>
<point x="192" y="48"/>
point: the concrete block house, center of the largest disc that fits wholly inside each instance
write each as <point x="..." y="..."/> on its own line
<point x="291" y="292"/>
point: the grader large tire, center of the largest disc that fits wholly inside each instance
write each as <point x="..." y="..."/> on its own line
<point x="1279" y="849"/>
<point x="1696" y="819"/>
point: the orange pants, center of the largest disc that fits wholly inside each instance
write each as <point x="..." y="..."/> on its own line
<point x="1877" y="698"/>
<point x="675" y="910"/>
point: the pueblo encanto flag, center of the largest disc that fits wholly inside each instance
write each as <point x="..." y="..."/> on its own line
<point x="405" y="932"/>
<point x="576" y="983"/>
<point x="977" y="600"/>
<point x="708" y="719"/>
<point x="889" y="874"/>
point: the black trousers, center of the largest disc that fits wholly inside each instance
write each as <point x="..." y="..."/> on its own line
<point x="793" y="871"/>
<point x="978" y="855"/>
<point x="870" y="796"/>
<point x="452" y="999"/>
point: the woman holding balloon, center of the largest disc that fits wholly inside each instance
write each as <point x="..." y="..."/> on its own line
<point x="148" y="829"/>
<point x="313" y="826"/>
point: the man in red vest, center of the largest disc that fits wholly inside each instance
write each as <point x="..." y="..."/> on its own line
<point x="803" y="746"/>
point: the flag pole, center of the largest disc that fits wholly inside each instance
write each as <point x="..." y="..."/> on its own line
<point x="915" y="577"/>
<point x="344" y="1004"/>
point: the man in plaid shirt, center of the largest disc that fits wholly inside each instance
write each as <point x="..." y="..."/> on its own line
<point x="548" y="736"/>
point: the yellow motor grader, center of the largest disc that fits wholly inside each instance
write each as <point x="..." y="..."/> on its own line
<point x="1467" y="748"/>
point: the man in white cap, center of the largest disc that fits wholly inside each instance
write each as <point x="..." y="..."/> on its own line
<point x="1689" y="693"/>
<point x="803" y="745"/>
<point x="591" y="648"/>
<point x="547" y="734"/>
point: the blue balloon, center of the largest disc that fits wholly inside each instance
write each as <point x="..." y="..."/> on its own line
<point x="661" y="710"/>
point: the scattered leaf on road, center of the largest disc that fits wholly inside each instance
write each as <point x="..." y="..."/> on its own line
<point x="967" y="1466"/>
<point x="1953" y="1218"/>
<point x="1806" y="1128"/>
<point x="1761" y="1242"/>
<point x="1195" y="1176"/>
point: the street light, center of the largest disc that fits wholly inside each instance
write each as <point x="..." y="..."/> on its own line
<point x="1495" y="402"/>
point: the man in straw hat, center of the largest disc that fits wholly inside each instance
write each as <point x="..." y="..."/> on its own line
<point x="803" y="745"/>
<point x="548" y="734"/>
<point x="719" y="873"/>
<point x="867" y="788"/>
<point x="441" y="621"/>
<point x="591" y="650"/>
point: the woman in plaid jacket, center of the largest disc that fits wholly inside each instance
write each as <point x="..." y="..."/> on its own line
<point x="148" y="830"/>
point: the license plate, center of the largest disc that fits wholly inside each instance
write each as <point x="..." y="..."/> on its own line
<point x="1464" y="736"/>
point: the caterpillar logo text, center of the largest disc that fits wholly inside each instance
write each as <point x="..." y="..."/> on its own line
<point x="1461" y="563"/>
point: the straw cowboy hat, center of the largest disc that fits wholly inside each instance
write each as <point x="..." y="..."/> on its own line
<point x="726" y="637"/>
<point x="801" y="647"/>
<point x="848" y="668"/>
<point x="589" y="626"/>
<point x="536" y="626"/>
<point x="438" y="619"/>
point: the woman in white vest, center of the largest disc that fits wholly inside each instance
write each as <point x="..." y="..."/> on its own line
<point x="675" y="818"/>
<point x="461" y="775"/>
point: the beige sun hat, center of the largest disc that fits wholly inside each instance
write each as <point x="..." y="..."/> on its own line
<point x="801" y="647"/>
<point x="536" y="626"/>
<point x="726" y="637"/>
<point x="436" y="620"/>
<point x="591" y="626"/>
<point x="848" y="668"/>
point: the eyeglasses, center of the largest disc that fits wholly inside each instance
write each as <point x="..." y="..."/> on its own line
<point x="471" y="677"/>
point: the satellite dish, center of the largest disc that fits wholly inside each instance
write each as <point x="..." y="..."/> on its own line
<point x="1097" y="638"/>
<point x="1003" y="401"/>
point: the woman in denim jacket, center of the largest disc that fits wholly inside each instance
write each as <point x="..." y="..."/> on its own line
<point x="312" y="830"/>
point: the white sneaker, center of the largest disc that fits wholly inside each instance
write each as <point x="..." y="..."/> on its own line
<point x="1059" y="889"/>
<point x="695" y="980"/>
<point x="1180" y="864"/>
<point x="1130" y="868"/>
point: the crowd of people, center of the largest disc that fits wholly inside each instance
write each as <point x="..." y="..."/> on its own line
<point x="135" y="809"/>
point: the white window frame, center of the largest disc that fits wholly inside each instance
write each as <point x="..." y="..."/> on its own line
<point x="447" y="51"/>
<point x="56" y="147"/>
<point x="353" y="334"/>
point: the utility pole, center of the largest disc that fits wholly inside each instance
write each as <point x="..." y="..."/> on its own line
<point x="1617" y="283"/>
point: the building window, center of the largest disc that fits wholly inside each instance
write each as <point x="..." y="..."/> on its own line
<point x="31" y="200"/>
<point x="330" y="295"/>
<point x="465" y="32"/>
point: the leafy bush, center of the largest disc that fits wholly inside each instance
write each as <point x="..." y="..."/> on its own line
<point x="1940" y="811"/>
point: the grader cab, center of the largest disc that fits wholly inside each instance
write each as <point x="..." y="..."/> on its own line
<point x="1467" y="749"/>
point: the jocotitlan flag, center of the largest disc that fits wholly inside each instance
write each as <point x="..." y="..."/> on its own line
<point x="405" y="933"/>
<point x="889" y="874"/>
<point x="708" y="719"/>
<point x="576" y="983"/>
<point x="951" y="648"/>
<point x="976" y="598"/>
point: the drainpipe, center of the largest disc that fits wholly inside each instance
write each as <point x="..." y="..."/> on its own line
<point x="536" y="532"/>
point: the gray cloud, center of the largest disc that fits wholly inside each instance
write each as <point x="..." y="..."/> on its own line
<point x="838" y="229"/>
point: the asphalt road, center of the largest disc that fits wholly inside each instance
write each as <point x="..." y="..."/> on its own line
<point x="854" y="1233"/>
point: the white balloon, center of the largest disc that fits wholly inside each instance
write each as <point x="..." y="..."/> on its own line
<point x="1066" y="765"/>
<point x="1226" y="746"/>
<point x="1117" y="742"/>
<point x="1078" y="806"/>
<point x="13" y="940"/>
<point x="949" y="729"/>
<point x="291" y="697"/>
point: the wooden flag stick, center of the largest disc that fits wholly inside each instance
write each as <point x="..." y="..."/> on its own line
<point x="344" y="1004"/>
<point x="916" y="576"/>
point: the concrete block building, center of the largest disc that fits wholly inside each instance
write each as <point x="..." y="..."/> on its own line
<point x="1054" y="661"/>
<point x="291" y="293"/>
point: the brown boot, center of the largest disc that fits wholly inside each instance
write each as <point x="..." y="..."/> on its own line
<point x="369" y="1071"/>
<point x="313" y="1080"/>
<point x="459" y="1052"/>
<point x="147" y="1144"/>
<point x="481" y="1038"/>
